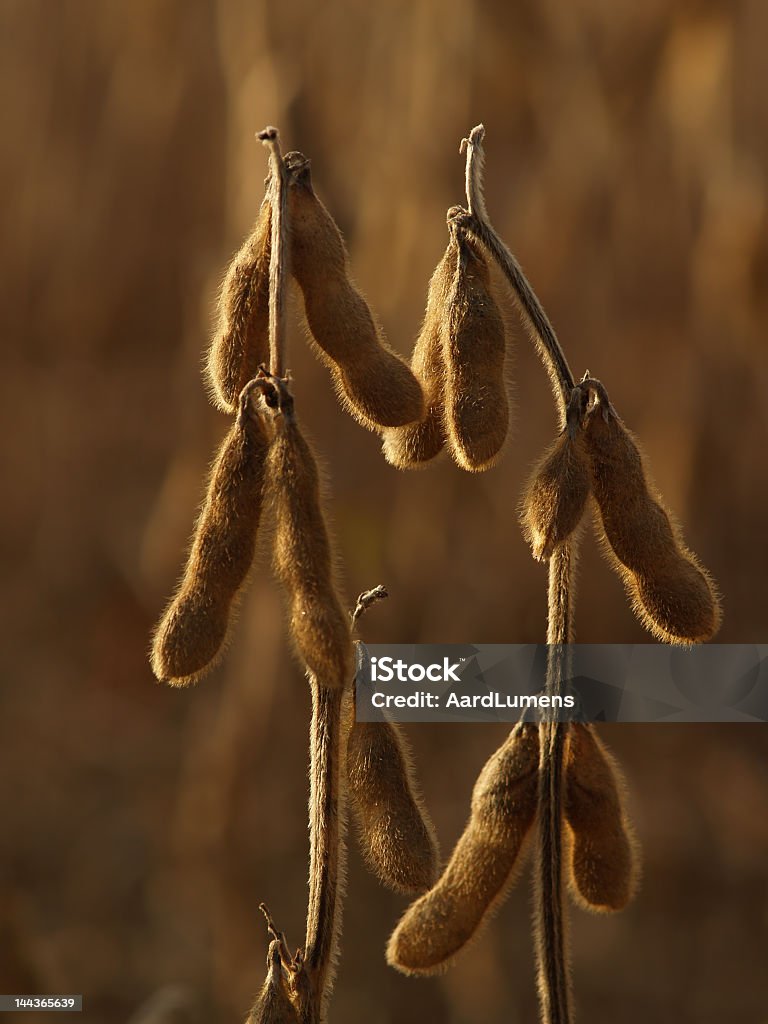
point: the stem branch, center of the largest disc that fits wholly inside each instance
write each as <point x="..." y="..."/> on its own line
<point x="278" y="198"/>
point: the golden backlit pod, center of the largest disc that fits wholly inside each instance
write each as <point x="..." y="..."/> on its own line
<point x="193" y="629"/>
<point x="396" y="835"/>
<point x="376" y="385"/>
<point x="557" y="491"/>
<point x="482" y="866"/>
<point x="302" y="553"/>
<point x="604" y="856"/>
<point x="241" y="340"/>
<point x="474" y="349"/>
<point x="677" y="607"/>
<point x="417" y="443"/>
<point x="671" y="593"/>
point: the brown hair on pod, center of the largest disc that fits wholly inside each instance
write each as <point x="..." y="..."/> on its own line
<point x="604" y="854"/>
<point x="474" y="349"/>
<point x="556" y="494"/>
<point x="373" y="383"/>
<point x="396" y="835"/>
<point x="192" y="631"/>
<point x="302" y="551"/>
<point x="241" y="341"/>
<point x="482" y="866"/>
<point x="671" y="593"/>
<point x="415" y="444"/>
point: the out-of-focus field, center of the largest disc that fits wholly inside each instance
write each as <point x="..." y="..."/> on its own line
<point x="627" y="166"/>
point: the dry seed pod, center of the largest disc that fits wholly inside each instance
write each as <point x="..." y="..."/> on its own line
<point x="482" y="866"/>
<point x="396" y="835"/>
<point x="417" y="443"/>
<point x="241" y="342"/>
<point x="474" y="348"/>
<point x="604" y="856"/>
<point x="374" y="383"/>
<point x="193" y="629"/>
<point x="557" y="491"/>
<point x="671" y="593"/>
<point x="302" y="555"/>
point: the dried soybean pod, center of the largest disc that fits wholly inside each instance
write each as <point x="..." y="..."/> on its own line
<point x="241" y="341"/>
<point x="302" y="554"/>
<point x="193" y="629"/>
<point x="373" y="383"/>
<point x="474" y="347"/>
<point x="396" y="835"/>
<point x="413" y="445"/>
<point x="679" y="608"/>
<point x="671" y="593"/>
<point x="604" y="855"/>
<point x="482" y="866"/>
<point x="557" y="491"/>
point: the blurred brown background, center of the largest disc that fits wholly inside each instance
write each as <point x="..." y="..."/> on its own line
<point x="627" y="153"/>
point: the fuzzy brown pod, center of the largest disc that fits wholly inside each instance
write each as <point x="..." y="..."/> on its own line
<point x="192" y="631"/>
<point x="604" y="854"/>
<point x="241" y="340"/>
<point x="474" y="350"/>
<point x="414" y="445"/>
<point x="302" y="554"/>
<point x="557" y="491"/>
<point x="396" y="835"/>
<point x="375" y="384"/>
<point x="482" y="866"/>
<point x="671" y="592"/>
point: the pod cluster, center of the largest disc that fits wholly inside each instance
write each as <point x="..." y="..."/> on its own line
<point x="459" y="358"/>
<point x="596" y="455"/>
<point x="602" y="867"/>
<point x="264" y="455"/>
<point x="265" y="460"/>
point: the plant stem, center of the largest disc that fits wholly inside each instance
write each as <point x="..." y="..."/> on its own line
<point x="554" y="986"/>
<point x="278" y="198"/>
<point x="327" y="858"/>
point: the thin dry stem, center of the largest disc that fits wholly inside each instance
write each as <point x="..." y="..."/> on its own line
<point x="278" y="191"/>
<point x="554" y="982"/>
<point x="327" y="864"/>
